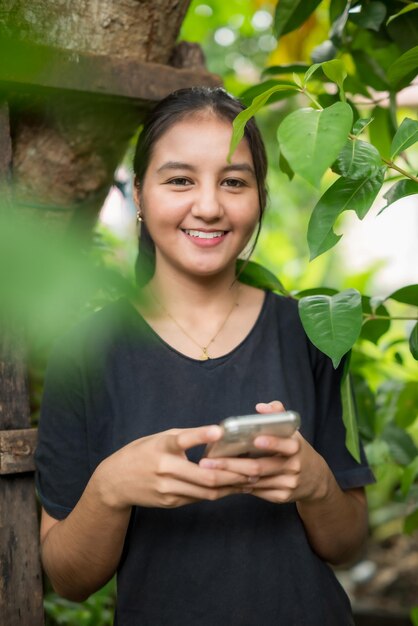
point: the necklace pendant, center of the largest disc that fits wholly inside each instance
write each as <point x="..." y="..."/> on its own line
<point x="204" y="356"/>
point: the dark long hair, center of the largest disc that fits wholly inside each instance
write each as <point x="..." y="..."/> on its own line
<point x="172" y="109"/>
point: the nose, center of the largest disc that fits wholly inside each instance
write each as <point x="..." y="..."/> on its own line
<point x="207" y="204"/>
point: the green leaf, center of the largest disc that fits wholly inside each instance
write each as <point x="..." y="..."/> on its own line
<point x="249" y="94"/>
<point x="407" y="405"/>
<point x="311" y="140"/>
<point x="381" y="130"/>
<point x="372" y="330"/>
<point x="406" y="295"/>
<point x="357" y="159"/>
<point x="314" y="291"/>
<point x="371" y="15"/>
<point x="408" y="477"/>
<point x="310" y="72"/>
<point x="335" y="71"/>
<point x="361" y="124"/>
<point x="332" y="323"/>
<point x="405" y="66"/>
<point x="256" y="275"/>
<point x="369" y="70"/>
<point x="411" y="524"/>
<point x="276" y="70"/>
<point x="285" y="167"/>
<point x="413" y="342"/>
<point x="242" y="118"/>
<point x="290" y="14"/>
<point x="414" y="616"/>
<point x="399" y="190"/>
<point x="350" y="418"/>
<point x="406" y="136"/>
<point x="401" y="444"/>
<point x="410" y="7"/>
<point x="365" y="406"/>
<point x="344" y="195"/>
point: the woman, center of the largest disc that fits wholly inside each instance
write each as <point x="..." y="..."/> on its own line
<point x="133" y="390"/>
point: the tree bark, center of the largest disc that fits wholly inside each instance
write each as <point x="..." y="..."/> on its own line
<point x="66" y="147"/>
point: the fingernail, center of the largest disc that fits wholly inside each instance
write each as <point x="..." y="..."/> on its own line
<point x="213" y="431"/>
<point x="246" y="489"/>
<point x="208" y="463"/>
<point x="253" y="479"/>
<point x="262" y="442"/>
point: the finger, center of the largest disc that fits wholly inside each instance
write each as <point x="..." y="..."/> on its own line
<point x="253" y="468"/>
<point x="175" y="489"/>
<point x="285" y="446"/>
<point x="189" y="472"/>
<point x="190" y="437"/>
<point x="274" y="495"/>
<point x="269" y="407"/>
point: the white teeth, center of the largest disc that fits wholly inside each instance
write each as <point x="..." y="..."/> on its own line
<point x="203" y="235"/>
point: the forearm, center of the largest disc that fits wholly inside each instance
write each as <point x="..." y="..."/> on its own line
<point x="81" y="553"/>
<point x="335" y="522"/>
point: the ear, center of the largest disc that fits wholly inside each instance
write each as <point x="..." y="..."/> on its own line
<point x="137" y="193"/>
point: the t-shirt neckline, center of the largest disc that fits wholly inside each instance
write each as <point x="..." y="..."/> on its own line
<point x="211" y="361"/>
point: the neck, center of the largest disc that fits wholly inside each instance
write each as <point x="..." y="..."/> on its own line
<point x="178" y="291"/>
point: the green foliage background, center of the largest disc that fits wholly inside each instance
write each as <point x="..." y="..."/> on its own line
<point x="366" y="55"/>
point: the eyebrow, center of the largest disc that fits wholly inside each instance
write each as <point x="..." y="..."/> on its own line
<point x="178" y="165"/>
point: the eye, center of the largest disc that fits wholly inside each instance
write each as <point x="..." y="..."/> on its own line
<point x="234" y="183"/>
<point x="179" y="182"/>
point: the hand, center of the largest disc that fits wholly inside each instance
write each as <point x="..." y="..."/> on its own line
<point x="154" y="471"/>
<point x="296" y="471"/>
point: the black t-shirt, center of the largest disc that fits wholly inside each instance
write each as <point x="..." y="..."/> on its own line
<point x="238" y="561"/>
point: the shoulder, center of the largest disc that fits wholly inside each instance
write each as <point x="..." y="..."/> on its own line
<point x="93" y="332"/>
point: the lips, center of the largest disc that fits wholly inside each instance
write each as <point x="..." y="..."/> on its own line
<point x="205" y="238"/>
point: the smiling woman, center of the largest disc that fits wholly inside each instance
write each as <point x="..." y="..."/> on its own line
<point x="132" y="393"/>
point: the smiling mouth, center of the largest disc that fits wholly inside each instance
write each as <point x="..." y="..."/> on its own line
<point x="201" y="234"/>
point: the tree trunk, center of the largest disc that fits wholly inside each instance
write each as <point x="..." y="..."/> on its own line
<point x="66" y="147"/>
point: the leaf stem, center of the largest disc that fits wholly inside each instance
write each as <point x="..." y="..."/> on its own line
<point x="370" y="317"/>
<point x="310" y="96"/>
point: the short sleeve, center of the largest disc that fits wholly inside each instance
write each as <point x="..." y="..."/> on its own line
<point x="330" y="431"/>
<point x="62" y="467"/>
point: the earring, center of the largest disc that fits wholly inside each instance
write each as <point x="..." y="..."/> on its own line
<point x="139" y="216"/>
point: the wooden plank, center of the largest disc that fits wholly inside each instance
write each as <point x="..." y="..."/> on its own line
<point x="29" y="65"/>
<point x="21" y="577"/>
<point x="17" y="448"/>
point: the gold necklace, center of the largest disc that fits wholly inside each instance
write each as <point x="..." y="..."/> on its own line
<point x="204" y="356"/>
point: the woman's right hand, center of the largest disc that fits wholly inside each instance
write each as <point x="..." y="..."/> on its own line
<point x="154" y="471"/>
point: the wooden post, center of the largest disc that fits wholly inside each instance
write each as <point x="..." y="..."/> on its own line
<point x="21" y="597"/>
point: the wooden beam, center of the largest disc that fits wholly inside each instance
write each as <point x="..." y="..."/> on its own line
<point x="33" y="66"/>
<point x="17" y="448"/>
<point x="21" y="578"/>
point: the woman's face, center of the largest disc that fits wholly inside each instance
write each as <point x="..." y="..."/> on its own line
<point x="200" y="210"/>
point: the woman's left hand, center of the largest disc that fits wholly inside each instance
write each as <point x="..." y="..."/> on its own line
<point x="295" y="472"/>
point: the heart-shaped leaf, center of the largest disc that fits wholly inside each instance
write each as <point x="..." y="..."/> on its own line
<point x="413" y="342"/>
<point x="405" y="137"/>
<point x="357" y="159"/>
<point x="332" y="323"/>
<point x="344" y="195"/>
<point x="242" y="118"/>
<point x="256" y="275"/>
<point x="311" y="140"/>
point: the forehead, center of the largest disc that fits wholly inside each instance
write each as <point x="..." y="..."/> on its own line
<point x="201" y="137"/>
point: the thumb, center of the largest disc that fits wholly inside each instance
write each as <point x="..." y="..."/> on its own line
<point x="189" y="437"/>
<point x="269" y="407"/>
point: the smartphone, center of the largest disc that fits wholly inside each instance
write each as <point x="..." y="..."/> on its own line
<point x="239" y="434"/>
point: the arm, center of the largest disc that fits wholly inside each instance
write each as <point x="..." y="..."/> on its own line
<point x="81" y="552"/>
